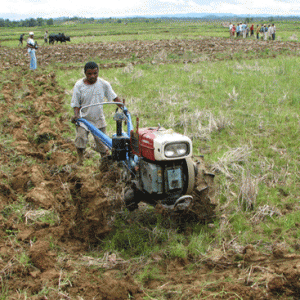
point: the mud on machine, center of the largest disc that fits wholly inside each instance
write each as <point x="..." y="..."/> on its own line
<point x="157" y="161"/>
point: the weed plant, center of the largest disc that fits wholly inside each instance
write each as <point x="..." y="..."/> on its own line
<point x="138" y="237"/>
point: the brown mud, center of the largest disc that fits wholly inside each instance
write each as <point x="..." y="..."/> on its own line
<point x="67" y="210"/>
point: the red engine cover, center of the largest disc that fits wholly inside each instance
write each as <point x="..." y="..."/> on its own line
<point x="142" y="143"/>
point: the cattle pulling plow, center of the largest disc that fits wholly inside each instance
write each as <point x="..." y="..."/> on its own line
<point x="157" y="166"/>
<point x="58" y="38"/>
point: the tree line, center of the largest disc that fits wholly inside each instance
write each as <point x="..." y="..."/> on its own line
<point x="26" y="23"/>
<point x="57" y="21"/>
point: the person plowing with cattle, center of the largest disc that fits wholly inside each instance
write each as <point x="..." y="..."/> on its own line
<point x="157" y="163"/>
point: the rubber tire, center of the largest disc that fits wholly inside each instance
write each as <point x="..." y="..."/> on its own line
<point x="130" y="201"/>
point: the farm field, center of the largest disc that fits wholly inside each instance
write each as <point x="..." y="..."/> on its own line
<point x="64" y="231"/>
<point x="142" y="30"/>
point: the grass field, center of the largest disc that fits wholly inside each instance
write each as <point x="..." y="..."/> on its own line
<point x="153" y="30"/>
<point x="242" y="114"/>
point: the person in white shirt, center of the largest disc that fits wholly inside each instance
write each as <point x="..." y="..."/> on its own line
<point x="91" y="90"/>
<point x="270" y="30"/>
<point x="273" y="32"/>
<point x="265" y="32"/>
<point x="31" y="47"/>
<point x="46" y="37"/>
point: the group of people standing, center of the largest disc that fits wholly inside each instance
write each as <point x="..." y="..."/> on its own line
<point x="263" y="31"/>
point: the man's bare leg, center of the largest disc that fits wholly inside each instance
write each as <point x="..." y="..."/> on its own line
<point x="80" y="152"/>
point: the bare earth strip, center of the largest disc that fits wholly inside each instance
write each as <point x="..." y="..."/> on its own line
<point x="161" y="51"/>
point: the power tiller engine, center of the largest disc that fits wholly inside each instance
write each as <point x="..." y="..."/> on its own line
<point x="157" y="160"/>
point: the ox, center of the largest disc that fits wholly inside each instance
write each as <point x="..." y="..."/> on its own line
<point x="58" y="38"/>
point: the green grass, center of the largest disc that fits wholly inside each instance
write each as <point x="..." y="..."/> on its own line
<point x="137" y="238"/>
<point x="149" y="273"/>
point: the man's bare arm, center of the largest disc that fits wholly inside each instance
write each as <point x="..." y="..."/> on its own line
<point x="76" y="112"/>
<point x="118" y="100"/>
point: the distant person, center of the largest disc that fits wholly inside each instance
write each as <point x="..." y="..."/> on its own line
<point x="262" y="30"/>
<point x="46" y="37"/>
<point x="269" y="32"/>
<point x="273" y="32"/>
<point x="244" y="30"/>
<point x="265" y="32"/>
<point x="238" y="30"/>
<point x="251" y="30"/>
<point x="230" y="29"/>
<point x="21" y="39"/>
<point x="257" y="31"/>
<point x="233" y="30"/>
<point x="31" y="47"/>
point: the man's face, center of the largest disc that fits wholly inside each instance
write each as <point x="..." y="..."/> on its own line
<point x="91" y="75"/>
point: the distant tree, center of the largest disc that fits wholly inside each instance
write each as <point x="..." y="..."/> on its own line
<point x="50" y="22"/>
<point x="40" y="21"/>
<point x="7" y="23"/>
<point x="15" y="24"/>
<point x="25" y="23"/>
<point x="75" y="19"/>
<point x="2" y="23"/>
<point x="119" y="21"/>
<point x="32" y="22"/>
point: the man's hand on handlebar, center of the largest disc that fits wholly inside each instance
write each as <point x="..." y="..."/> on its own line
<point x="74" y="119"/>
<point x="76" y="115"/>
<point x="118" y="100"/>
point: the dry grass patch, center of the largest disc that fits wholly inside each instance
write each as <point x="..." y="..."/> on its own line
<point x="265" y="211"/>
<point x="108" y="261"/>
<point x="232" y="161"/>
<point x="248" y="191"/>
<point x="199" y="124"/>
<point x="42" y="214"/>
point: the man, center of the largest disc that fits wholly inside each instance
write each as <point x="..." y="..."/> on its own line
<point x="244" y="30"/>
<point x="237" y="30"/>
<point x="21" y="39"/>
<point x="257" y="31"/>
<point x="46" y="37"/>
<point x="31" y="47"/>
<point x="247" y="31"/>
<point x="252" y="30"/>
<point x="91" y="90"/>
<point x="273" y="32"/>
<point x="266" y="32"/>
<point x="269" y="32"/>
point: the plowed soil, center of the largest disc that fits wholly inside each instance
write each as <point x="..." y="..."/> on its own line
<point x="139" y="52"/>
<point x="41" y="172"/>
